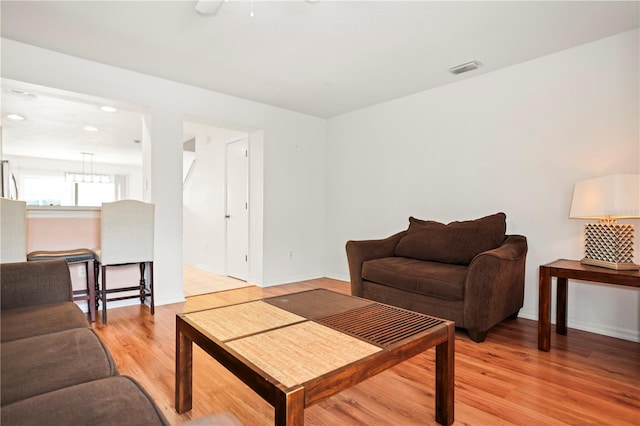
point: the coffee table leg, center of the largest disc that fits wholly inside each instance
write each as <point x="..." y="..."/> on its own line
<point x="289" y="407"/>
<point x="184" y="369"/>
<point x="445" y="361"/>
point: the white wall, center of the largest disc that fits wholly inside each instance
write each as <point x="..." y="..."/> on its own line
<point x="514" y="140"/>
<point x="256" y="206"/>
<point x="293" y="163"/>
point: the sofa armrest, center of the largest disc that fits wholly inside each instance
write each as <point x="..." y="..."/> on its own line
<point x="25" y="284"/>
<point x="494" y="287"/>
<point x="360" y="251"/>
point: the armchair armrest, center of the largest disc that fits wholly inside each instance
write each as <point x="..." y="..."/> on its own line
<point x="360" y="251"/>
<point x="494" y="288"/>
<point x="25" y="284"/>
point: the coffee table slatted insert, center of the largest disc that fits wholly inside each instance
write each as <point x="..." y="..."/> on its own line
<point x="380" y="324"/>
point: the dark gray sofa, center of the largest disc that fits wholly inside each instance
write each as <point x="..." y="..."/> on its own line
<point x="54" y="368"/>
<point x="469" y="272"/>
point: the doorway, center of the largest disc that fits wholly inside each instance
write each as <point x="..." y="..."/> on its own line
<point x="221" y="155"/>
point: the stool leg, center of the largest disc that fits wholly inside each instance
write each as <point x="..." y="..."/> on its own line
<point x="96" y="271"/>
<point x="143" y="283"/>
<point x="91" y="289"/>
<point x="151" y="288"/>
<point x="104" y="294"/>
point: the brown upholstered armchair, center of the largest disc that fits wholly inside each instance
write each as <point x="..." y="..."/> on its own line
<point x="468" y="272"/>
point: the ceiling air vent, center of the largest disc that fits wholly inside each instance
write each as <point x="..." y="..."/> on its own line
<point x="469" y="66"/>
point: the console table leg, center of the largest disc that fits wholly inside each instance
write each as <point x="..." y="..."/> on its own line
<point x="445" y="362"/>
<point x="544" y="310"/>
<point x="561" y="306"/>
<point x="289" y="407"/>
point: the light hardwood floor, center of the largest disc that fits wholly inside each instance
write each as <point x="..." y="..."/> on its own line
<point x="198" y="281"/>
<point x="586" y="379"/>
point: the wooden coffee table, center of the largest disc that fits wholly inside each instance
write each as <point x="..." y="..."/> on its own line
<point x="297" y="349"/>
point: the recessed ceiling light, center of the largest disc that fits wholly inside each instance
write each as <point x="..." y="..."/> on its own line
<point x="16" y="117"/>
<point x="107" y="108"/>
<point x="90" y="128"/>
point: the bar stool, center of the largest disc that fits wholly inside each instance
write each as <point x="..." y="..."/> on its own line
<point x="13" y="230"/>
<point x="86" y="256"/>
<point x="126" y="238"/>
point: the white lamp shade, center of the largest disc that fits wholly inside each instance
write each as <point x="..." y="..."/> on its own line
<point x="611" y="197"/>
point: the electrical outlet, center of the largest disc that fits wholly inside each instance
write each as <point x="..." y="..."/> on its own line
<point x="290" y="254"/>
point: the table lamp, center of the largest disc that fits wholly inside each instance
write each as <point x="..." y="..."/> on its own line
<point x="608" y="244"/>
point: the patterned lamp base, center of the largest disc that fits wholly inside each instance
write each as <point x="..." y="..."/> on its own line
<point x="609" y="245"/>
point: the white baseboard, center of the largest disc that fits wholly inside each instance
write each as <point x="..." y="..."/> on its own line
<point x="339" y="278"/>
<point x="617" y="332"/>
<point x="290" y="280"/>
<point x="210" y="269"/>
<point x="170" y="300"/>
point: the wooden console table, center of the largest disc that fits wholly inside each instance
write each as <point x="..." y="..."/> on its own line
<point x="563" y="270"/>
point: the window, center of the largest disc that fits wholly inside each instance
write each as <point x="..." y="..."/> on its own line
<point x="46" y="190"/>
<point x="94" y="194"/>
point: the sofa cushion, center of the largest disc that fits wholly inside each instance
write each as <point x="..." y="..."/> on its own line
<point x="34" y="283"/>
<point x="40" y="364"/>
<point x="445" y="281"/>
<point x="112" y="401"/>
<point x="43" y="319"/>
<point x="456" y="242"/>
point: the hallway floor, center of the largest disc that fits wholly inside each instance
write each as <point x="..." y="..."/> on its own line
<point x="198" y="281"/>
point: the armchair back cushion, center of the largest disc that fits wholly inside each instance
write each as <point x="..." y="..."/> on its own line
<point x="453" y="243"/>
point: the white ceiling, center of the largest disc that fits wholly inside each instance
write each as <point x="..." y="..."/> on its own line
<point x="322" y="58"/>
<point x="54" y="126"/>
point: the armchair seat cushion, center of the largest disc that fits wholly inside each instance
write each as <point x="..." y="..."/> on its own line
<point x="434" y="279"/>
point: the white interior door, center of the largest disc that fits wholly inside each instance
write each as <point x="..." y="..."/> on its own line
<point x="237" y="216"/>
